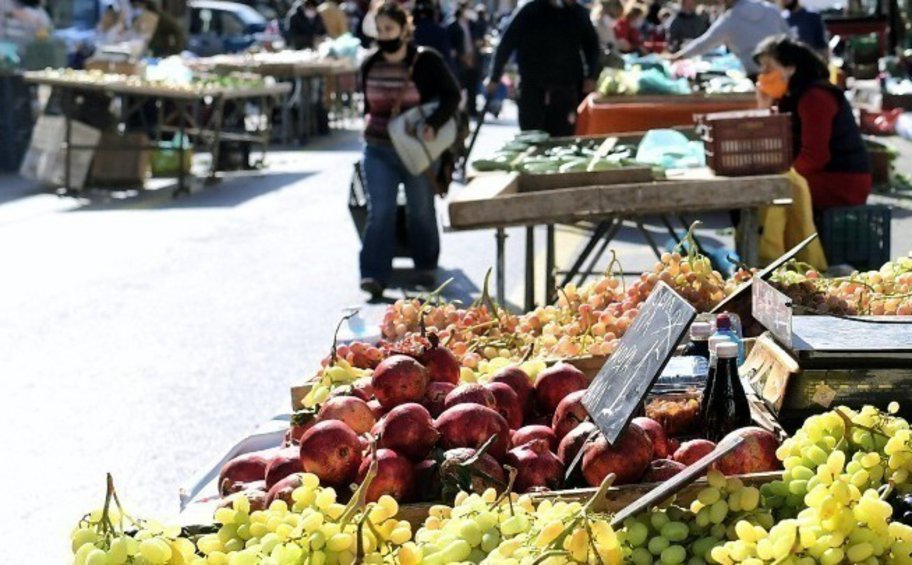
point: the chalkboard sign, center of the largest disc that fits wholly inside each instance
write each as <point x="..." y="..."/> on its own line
<point x="772" y="309"/>
<point x="742" y="291"/>
<point x="620" y="386"/>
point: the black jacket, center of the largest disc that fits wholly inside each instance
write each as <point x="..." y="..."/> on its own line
<point x="848" y="153"/>
<point x="431" y="76"/>
<point x="555" y="46"/>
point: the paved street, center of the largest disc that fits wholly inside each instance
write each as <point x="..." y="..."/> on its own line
<point x="143" y="335"/>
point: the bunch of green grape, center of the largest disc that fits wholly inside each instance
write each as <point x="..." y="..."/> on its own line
<point x="109" y="536"/>
<point x="675" y="535"/>
<point x="337" y="374"/>
<point x="316" y="529"/>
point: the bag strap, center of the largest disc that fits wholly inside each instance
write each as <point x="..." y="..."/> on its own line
<point x="397" y="106"/>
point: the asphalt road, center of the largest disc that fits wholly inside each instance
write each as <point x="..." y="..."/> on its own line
<point x="142" y="335"/>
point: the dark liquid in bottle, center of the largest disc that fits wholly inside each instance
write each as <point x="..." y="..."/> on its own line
<point x="726" y="408"/>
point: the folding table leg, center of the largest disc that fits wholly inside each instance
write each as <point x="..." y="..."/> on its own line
<point x="500" y="274"/>
<point x="600" y="230"/>
<point x="550" y="290"/>
<point x="530" y="268"/>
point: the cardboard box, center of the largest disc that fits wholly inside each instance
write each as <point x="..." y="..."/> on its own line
<point x="121" y="159"/>
<point x="119" y="67"/>
<point x="45" y="160"/>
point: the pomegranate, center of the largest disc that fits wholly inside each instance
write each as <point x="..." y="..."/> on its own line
<point x="376" y="408"/>
<point x="507" y="404"/>
<point x="656" y="434"/>
<point x="399" y="379"/>
<point x="526" y="434"/>
<point x="408" y="429"/>
<point x="442" y="366"/>
<point x="363" y="389"/>
<point x="470" y="393"/>
<point x="355" y="412"/>
<point x="536" y="466"/>
<point x="519" y="381"/>
<point x="282" y="490"/>
<point x="692" y="451"/>
<point x="395" y="476"/>
<point x="673" y="445"/>
<point x="240" y="487"/>
<point x="569" y="414"/>
<point x="661" y="470"/>
<point x="756" y="454"/>
<point x="573" y="441"/>
<point x="555" y="383"/>
<point x="301" y="421"/>
<point x="627" y="458"/>
<point x="331" y="451"/>
<point x="435" y="396"/>
<point x="427" y="480"/>
<point x="485" y="473"/>
<point x="245" y="468"/>
<point x="471" y="425"/>
<point x="287" y="461"/>
<point x="256" y="497"/>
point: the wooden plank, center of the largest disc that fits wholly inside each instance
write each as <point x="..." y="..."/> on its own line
<point x="615" y="499"/>
<point x="574" y="204"/>
<point x="671" y="99"/>
<point x="534" y="183"/>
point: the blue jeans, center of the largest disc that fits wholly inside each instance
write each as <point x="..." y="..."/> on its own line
<point x="383" y="172"/>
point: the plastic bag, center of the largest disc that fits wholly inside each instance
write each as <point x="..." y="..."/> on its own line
<point x="654" y="81"/>
<point x="670" y="149"/>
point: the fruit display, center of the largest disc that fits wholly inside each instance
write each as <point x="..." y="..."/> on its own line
<point x="534" y="153"/>
<point x="885" y="292"/>
<point x="199" y="85"/>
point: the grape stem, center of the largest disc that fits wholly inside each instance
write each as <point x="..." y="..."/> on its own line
<point x="511" y="473"/>
<point x="850" y="424"/>
<point x="359" y="498"/>
<point x="333" y="356"/>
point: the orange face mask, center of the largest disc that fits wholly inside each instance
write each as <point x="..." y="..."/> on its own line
<point x="773" y="84"/>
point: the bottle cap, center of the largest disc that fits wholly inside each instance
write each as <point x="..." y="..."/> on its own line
<point x="715" y="340"/>
<point x="723" y="322"/>
<point x="700" y="330"/>
<point x="727" y="350"/>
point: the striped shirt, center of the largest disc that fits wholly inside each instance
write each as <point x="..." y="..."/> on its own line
<point x="384" y="85"/>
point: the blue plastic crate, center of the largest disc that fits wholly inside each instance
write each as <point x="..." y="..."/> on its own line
<point x="856" y="235"/>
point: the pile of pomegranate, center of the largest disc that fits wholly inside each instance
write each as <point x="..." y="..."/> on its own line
<point x="433" y="436"/>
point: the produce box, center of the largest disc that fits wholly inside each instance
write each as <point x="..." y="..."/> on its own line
<point x="45" y="160"/>
<point x="126" y="167"/>
<point x="747" y="142"/>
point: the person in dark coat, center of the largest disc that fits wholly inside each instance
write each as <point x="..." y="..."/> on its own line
<point x="686" y="25"/>
<point x="557" y="51"/>
<point x="304" y="25"/>
<point x="430" y="33"/>
<point x="806" y="26"/>
<point x="467" y="53"/>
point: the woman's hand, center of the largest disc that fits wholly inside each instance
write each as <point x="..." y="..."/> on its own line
<point x="428" y="134"/>
<point x="764" y="101"/>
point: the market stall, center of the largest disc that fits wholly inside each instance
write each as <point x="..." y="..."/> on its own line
<point x="207" y="113"/>
<point x="316" y="82"/>
<point x="620" y="114"/>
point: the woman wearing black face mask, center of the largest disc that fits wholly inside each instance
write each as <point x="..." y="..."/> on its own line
<point x="399" y="76"/>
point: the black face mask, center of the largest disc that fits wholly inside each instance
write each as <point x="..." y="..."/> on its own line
<point x="389" y="45"/>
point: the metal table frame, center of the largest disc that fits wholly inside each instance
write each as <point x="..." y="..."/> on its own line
<point x="186" y="112"/>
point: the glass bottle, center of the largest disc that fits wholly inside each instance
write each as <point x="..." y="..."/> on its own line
<point x="725" y="328"/>
<point x="699" y="340"/>
<point x="727" y="409"/>
<point x="714" y="342"/>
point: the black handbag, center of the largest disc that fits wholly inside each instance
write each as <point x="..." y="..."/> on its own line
<point x="357" y="207"/>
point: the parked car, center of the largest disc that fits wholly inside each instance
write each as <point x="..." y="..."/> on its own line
<point x="227" y="27"/>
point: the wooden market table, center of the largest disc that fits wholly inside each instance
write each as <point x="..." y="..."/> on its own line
<point x="308" y="77"/>
<point x="202" y="114"/>
<point x="621" y="114"/>
<point x="499" y="201"/>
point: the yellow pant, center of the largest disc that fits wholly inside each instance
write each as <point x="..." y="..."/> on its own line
<point x="786" y="226"/>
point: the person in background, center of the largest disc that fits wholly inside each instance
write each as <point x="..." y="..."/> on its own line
<point x="304" y="25"/>
<point x="806" y="26"/>
<point x="335" y="22"/>
<point x="396" y="77"/>
<point x="557" y="52"/>
<point x="355" y="18"/>
<point x="829" y="150"/>
<point x="686" y="25"/>
<point x="21" y="22"/>
<point x="740" y="28"/>
<point x="482" y="23"/>
<point x="467" y="54"/>
<point x="169" y="37"/>
<point x="627" y="29"/>
<point x="430" y="33"/>
<point x="111" y="26"/>
<point x="604" y="15"/>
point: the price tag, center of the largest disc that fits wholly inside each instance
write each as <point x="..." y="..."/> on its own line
<point x="620" y="386"/>
<point x="824" y="395"/>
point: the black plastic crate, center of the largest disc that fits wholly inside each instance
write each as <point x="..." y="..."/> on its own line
<point x="12" y="148"/>
<point x="856" y="235"/>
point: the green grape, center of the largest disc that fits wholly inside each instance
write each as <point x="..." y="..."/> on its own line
<point x="641" y="556"/>
<point x="637" y="534"/>
<point x="673" y="555"/>
<point x="675" y="531"/>
<point x="657" y="545"/>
